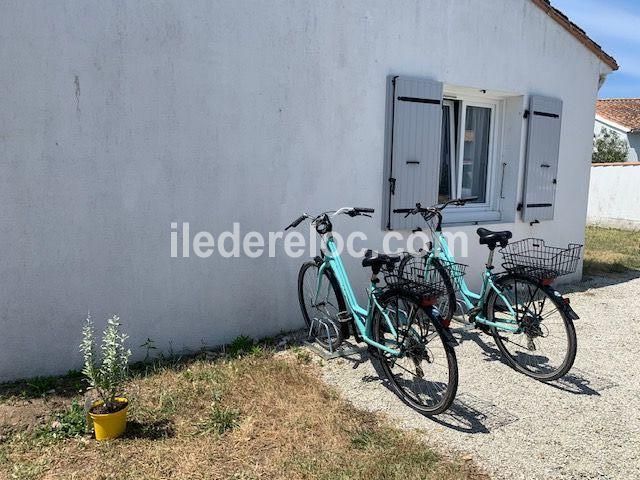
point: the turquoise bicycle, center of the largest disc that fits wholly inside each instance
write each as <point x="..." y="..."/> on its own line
<point x="530" y="321"/>
<point x="400" y="323"/>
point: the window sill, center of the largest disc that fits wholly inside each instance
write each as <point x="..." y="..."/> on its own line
<point x="470" y="216"/>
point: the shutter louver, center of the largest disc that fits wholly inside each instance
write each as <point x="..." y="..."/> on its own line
<point x="543" y="149"/>
<point x="415" y="147"/>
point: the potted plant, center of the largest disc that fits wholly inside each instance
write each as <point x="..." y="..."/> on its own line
<point x="106" y="377"/>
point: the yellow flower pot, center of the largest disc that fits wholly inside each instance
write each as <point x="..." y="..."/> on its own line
<point x="108" y="426"/>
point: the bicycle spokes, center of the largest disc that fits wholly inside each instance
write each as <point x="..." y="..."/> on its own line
<point x="544" y="342"/>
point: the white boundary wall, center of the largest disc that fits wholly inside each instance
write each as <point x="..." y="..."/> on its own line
<point x="614" y="195"/>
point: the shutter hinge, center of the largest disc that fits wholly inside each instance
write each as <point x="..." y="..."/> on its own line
<point x="392" y="185"/>
<point x="526" y="114"/>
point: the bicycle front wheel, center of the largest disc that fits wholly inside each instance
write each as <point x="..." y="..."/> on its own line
<point x="321" y="301"/>
<point x="544" y="347"/>
<point x="425" y="374"/>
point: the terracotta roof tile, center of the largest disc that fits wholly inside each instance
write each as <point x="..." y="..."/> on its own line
<point x="624" y="111"/>
<point x="577" y="32"/>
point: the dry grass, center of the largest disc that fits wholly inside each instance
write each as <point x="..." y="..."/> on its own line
<point x="261" y="416"/>
<point x="610" y="250"/>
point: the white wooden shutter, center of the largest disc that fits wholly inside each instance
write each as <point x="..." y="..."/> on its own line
<point x="415" y="147"/>
<point x="543" y="148"/>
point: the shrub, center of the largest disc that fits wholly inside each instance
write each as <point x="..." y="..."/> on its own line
<point x="107" y="374"/>
<point x="608" y="147"/>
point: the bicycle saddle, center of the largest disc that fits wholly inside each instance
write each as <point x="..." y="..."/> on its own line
<point x="491" y="238"/>
<point x="379" y="260"/>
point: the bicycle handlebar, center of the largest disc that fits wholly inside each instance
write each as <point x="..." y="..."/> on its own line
<point x="351" y="211"/>
<point x="435" y="210"/>
<point x="297" y="221"/>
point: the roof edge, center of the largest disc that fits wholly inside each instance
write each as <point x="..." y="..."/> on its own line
<point x="612" y="123"/>
<point x="577" y="32"/>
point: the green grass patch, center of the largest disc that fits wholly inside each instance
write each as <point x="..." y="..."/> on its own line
<point x="610" y="250"/>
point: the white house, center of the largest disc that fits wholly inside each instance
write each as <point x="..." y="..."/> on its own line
<point x="622" y="117"/>
<point x="120" y="121"/>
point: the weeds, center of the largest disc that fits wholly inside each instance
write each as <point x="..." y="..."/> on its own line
<point x="239" y="346"/>
<point x="72" y="422"/>
<point x="220" y="420"/>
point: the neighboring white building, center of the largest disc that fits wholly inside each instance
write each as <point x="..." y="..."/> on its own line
<point x="119" y="118"/>
<point x="622" y="117"/>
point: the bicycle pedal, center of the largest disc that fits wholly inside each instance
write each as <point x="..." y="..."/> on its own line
<point x="483" y="328"/>
<point x="473" y="313"/>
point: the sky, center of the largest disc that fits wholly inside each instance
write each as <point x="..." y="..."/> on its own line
<point x="615" y="26"/>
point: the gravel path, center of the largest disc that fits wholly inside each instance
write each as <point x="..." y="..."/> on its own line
<point x="584" y="426"/>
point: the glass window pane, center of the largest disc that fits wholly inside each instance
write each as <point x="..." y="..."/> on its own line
<point x="446" y="155"/>
<point x="476" y="152"/>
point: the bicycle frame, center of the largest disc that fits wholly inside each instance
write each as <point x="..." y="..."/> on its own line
<point x="470" y="298"/>
<point x="362" y="317"/>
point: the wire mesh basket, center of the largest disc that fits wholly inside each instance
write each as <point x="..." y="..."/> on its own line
<point x="424" y="279"/>
<point x="533" y="258"/>
<point x="455" y="271"/>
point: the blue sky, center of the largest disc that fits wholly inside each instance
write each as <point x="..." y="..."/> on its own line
<point x="615" y="25"/>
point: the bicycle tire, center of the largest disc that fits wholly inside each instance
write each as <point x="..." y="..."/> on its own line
<point x="400" y="386"/>
<point x="332" y="287"/>
<point x="514" y="360"/>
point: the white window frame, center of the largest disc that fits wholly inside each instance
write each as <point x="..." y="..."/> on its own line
<point x="453" y="187"/>
<point x="487" y="211"/>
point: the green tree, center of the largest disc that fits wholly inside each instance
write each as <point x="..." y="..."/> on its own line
<point x="608" y="147"/>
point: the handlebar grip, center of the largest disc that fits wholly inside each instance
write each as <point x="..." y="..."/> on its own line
<point x="296" y="222"/>
<point x="403" y="210"/>
<point x="468" y="199"/>
<point x="364" y="210"/>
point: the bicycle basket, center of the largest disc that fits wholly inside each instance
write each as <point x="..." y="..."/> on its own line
<point x="424" y="279"/>
<point x="456" y="271"/>
<point x="533" y="258"/>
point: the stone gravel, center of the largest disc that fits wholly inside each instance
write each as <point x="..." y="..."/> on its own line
<point x="584" y="426"/>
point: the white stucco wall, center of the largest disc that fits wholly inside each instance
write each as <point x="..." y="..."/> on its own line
<point x="614" y="197"/>
<point x="631" y="139"/>
<point x="117" y="118"/>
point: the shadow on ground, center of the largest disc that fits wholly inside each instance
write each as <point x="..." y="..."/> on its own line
<point x="598" y="281"/>
<point x="577" y="381"/>
<point x="150" y="431"/>
<point x="472" y="414"/>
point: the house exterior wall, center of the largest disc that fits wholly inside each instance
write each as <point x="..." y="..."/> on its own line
<point x="614" y="198"/>
<point x="118" y="118"/>
<point x="631" y="139"/>
<point x="634" y="143"/>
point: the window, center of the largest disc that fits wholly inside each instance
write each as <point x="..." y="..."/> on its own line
<point x="446" y="142"/>
<point x="465" y="166"/>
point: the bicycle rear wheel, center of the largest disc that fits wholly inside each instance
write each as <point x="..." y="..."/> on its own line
<point x="447" y="303"/>
<point x="320" y="307"/>
<point x="545" y="346"/>
<point x="425" y="375"/>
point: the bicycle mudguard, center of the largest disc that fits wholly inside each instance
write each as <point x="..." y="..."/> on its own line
<point x="564" y="305"/>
